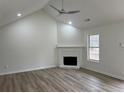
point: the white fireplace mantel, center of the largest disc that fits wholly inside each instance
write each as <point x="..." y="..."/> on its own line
<point x="70" y="46"/>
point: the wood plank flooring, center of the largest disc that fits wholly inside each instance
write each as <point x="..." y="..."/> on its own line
<point x="60" y="80"/>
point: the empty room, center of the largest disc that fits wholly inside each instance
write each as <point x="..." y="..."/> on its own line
<point x="61" y="45"/>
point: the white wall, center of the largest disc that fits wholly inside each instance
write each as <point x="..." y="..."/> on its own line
<point x="111" y="53"/>
<point x="69" y="35"/>
<point x="28" y="44"/>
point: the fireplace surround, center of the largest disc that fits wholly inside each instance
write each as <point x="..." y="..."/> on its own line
<point x="70" y="56"/>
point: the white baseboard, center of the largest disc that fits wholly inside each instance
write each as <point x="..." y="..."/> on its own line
<point x="47" y="67"/>
<point x="105" y="73"/>
<point x="27" y="70"/>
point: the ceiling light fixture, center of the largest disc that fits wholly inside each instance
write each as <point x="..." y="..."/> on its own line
<point x="19" y="14"/>
<point x="70" y="23"/>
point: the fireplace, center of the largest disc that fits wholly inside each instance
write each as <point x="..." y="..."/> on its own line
<point x="70" y="57"/>
<point x="70" y="61"/>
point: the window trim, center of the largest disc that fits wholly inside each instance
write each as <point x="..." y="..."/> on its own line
<point x="88" y="49"/>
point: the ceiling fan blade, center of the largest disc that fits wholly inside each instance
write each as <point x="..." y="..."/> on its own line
<point x="72" y="12"/>
<point x="63" y="11"/>
<point x="55" y="8"/>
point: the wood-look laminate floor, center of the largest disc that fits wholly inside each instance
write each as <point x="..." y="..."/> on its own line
<point x="60" y="80"/>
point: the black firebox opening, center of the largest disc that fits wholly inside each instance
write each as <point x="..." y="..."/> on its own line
<point x="70" y="61"/>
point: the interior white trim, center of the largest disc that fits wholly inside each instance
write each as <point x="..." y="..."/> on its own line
<point x="27" y="70"/>
<point x="105" y="73"/>
<point x="70" y="46"/>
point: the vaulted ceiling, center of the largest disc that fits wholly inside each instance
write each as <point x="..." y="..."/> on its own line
<point x="100" y="12"/>
<point x="10" y="8"/>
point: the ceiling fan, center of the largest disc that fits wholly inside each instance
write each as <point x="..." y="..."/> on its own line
<point x="63" y="11"/>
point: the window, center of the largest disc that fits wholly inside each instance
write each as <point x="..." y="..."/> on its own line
<point x="93" y="48"/>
